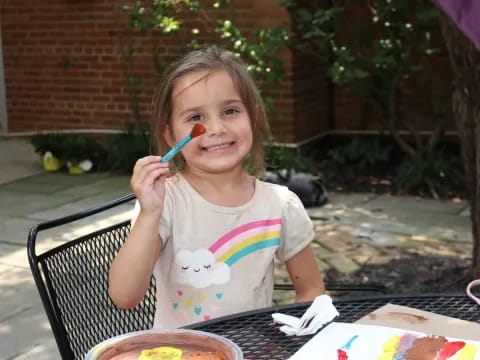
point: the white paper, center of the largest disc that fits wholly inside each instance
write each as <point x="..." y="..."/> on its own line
<point x="360" y="342"/>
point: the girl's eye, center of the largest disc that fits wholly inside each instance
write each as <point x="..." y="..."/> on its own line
<point x="196" y="117"/>
<point x="231" y="111"/>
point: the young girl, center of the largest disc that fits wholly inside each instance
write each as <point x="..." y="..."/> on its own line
<point x="210" y="233"/>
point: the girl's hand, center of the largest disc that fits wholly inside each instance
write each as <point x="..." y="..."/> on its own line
<point x="148" y="183"/>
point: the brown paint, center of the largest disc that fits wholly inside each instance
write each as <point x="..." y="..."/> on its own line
<point x="410" y="318"/>
<point x="131" y="347"/>
<point x="425" y="348"/>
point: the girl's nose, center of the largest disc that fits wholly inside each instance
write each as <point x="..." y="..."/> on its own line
<point x="216" y="126"/>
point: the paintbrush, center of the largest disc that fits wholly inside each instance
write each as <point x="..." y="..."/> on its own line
<point x="196" y="131"/>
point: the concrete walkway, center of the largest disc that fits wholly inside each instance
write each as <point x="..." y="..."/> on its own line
<point x="17" y="160"/>
<point x="352" y="230"/>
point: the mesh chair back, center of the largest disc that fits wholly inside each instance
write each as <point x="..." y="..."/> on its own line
<point x="73" y="283"/>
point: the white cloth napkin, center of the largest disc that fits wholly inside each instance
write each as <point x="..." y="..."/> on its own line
<point x="321" y="312"/>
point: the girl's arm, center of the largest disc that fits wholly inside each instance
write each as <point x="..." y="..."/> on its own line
<point x="132" y="268"/>
<point x="305" y="276"/>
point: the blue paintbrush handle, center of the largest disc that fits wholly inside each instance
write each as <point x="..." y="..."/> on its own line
<point x="173" y="151"/>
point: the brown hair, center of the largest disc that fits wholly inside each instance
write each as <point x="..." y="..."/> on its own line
<point x="212" y="58"/>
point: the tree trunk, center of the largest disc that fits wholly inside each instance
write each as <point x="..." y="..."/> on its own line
<point x="465" y="62"/>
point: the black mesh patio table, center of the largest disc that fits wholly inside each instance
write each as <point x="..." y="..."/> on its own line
<point x="258" y="338"/>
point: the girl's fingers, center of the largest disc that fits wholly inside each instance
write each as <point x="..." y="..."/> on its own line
<point x="145" y="163"/>
<point x="143" y="172"/>
<point x="148" y="159"/>
<point x="155" y="175"/>
<point x="151" y="159"/>
<point x="143" y="168"/>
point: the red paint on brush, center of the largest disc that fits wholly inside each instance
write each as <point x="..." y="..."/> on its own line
<point x="450" y="349"/>
<point x="198" y="130"/>
<point x="342" y="354"/>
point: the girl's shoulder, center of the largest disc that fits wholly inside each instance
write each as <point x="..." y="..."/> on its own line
<point x="272" y="188"/>
<point x="275" y="192"/>
<point x="286" y="198"/>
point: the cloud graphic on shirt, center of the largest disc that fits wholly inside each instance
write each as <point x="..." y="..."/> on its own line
<point x="199" y="269"/>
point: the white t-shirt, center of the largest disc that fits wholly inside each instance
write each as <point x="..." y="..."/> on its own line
<point x="218" y="260"/>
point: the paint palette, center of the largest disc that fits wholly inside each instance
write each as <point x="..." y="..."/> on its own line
<point x="411" y="319"/>
<point x="341" y="341"/>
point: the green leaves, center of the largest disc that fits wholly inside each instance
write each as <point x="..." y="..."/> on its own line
<point x="427" y="15"/>
<point x="384" y="46"/>
<point x="432" y="172"/>
<point x="161" y="14"/>
<point x="69" y="147"/>
<point x="278" y="157"/>
<point x="362" y="151"/>
<point x="169" y="24"/>
<point x="116" y="152"/>
<point x="259" y="49"/>
<point x="124" y="149"/>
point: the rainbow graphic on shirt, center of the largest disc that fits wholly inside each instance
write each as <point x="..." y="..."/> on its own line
<point x="246" y="239"/>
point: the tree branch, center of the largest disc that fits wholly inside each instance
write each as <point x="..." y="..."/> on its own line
<point x="391" y="118"/>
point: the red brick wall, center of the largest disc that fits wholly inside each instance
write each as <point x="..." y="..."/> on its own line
<point x="311" y="96"/>
<point x="62" y="66"/>
<point x="64" y="70"/>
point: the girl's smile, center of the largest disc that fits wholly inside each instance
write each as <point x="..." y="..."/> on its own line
<point x="219" y="147"/>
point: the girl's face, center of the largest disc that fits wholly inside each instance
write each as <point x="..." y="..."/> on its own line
<point x="211" y="99"/>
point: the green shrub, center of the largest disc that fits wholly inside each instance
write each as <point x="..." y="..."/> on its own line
<point x="280" y="157"/>
<point x="124" y="149"/>
<point x="79" y="147"/>
<point x="52" y="142"/>
<point x="435" y="172"/>
<point x="363" y="152"/>
<point x="71" y="148"/>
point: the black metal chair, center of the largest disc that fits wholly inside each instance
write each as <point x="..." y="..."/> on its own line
<point x="72" y="280"/>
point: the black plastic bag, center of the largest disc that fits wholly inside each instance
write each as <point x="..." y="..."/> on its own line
<point x="307" y="187"/>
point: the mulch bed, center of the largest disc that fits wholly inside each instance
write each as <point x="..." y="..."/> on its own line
<point x="411" y="272"/>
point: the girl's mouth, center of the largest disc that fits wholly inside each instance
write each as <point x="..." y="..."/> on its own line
<point x="218" y="147"/>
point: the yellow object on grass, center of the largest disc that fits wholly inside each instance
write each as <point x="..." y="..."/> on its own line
<point x="161" y="353"/>
<point x="50" y="162"/>
<point x="80" y="168"/>
<point x="75" y="170"/>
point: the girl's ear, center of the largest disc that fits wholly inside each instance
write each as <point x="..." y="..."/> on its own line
<point x="167" y="136"/>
